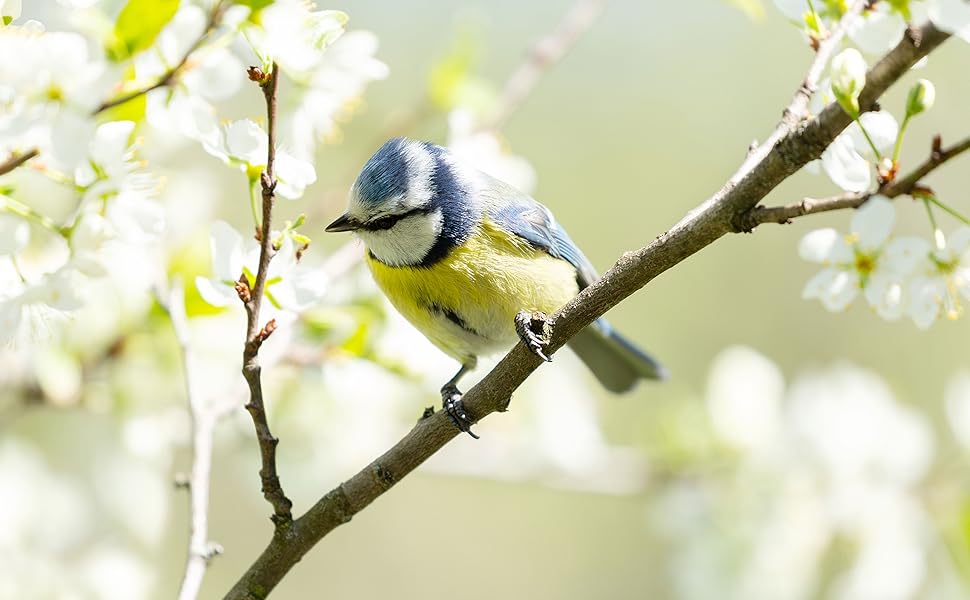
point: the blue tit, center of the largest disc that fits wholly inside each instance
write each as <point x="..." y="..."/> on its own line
<point x="463" y="256"/>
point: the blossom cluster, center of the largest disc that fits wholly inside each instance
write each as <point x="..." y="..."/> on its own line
<point x="817" y="503"/>
<point x="904" y="275"/>
<point x="76" y="107"/>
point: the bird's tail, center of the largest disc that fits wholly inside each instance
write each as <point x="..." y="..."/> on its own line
<point x="615" y="362"/>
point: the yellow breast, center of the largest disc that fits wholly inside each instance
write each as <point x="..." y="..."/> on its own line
<point x="466" y="303"/>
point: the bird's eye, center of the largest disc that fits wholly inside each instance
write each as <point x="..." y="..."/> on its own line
<point x="385" y="222"/>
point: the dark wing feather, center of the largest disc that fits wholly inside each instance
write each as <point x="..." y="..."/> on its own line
<point x="533" y="222"/>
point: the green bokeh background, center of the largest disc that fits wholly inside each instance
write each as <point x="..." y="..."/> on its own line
<point x="648" y="115"/>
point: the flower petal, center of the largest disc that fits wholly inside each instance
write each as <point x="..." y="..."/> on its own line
<point x="905" y="254"/>
<point x="873" y="222"/>
<point x="952" y="16"/>
<point x="835" y="288"/>
<point x="246" y="141"/>
<point x="882" y="129"/>
<point x="215" y="292"/>
<point x="14" y="234"/>
<point x="226" y="246"/>
<point x="845" y="166"/>
<point x="925" y="300"/>
<point x="825" y="246"/>
<point x="885" y="294"/>
<point x="879" y="31"/>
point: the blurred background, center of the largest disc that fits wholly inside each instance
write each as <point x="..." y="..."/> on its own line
<point x="794" y="453"/>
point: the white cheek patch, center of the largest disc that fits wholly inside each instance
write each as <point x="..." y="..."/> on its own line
<point x="407" y="242"/>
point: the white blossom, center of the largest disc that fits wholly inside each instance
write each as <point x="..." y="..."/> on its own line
<point x="293" y="35"/>
<point x="289" y="286"/>
<point x="944" y="277"/>
<point x="863" y="261"/>
<point x="849" y="159"/>
<point x="878" y="30"/>
<point x="951" y="16"/>
<point x="323" y="97"/>
<point x="212" y="74"/>
<point x="14" y="233"/>
<point x="244" y="144"/>
<point x="35" y="310"/>
<point x="112" y="176"/>
<point x="48" y="92"/>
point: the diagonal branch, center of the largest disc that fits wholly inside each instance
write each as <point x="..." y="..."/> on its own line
<point x="169" y="77"/>
<point x="17" y="159"/>
<point x="252" y="297"/>
<point x="204" y="417"/>
<point x="809" y="206"/>
<point x="793" y="145"/>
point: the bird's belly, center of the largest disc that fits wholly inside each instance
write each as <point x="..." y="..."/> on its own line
<point x="466" y="303"/>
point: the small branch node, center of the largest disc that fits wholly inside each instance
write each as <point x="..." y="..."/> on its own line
<point x="181" y="481"/>
<point x="256" y="75"/>
<point x="266" y="331"/>
<point x="242" y="289"/>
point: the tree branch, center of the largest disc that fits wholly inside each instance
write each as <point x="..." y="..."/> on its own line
<point x="809" y="206"/>
<point x="544" y="54"/>
<point x="169" y="77"/>
<point x="252" y="300"/>
<point x="793" y="144"/>
<point x="17" y="159"/>
<point x="204" y="419"/>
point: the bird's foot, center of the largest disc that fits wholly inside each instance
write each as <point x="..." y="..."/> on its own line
<point x="534" y="331"/>
<point x="451" y="403"/>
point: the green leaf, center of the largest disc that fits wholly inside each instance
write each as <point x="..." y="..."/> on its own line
<point x="7" y="20"/>
<point x="139" y="24"/>
<point x="753" y="8"/>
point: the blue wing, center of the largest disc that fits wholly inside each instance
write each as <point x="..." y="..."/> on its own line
<point x="533" y="222"/>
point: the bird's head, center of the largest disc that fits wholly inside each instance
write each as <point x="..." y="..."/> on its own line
<point x="409" y="199"/>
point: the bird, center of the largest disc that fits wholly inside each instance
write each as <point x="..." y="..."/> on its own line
<point x="471" y="261"/>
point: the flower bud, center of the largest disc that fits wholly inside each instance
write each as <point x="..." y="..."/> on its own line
<point x="848" y="74"/>
<point x="921" y="97"/>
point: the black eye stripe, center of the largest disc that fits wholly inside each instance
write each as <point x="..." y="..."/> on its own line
<point x="388" y="221"/>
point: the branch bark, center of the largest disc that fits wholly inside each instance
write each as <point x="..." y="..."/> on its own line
<point x="256" y="334"/>
<point x="204" y="418"/>
<point x="169" y="77"/>
<point x="809" y="206"/>
<point x="794" y="143"/>
<point x="17" y="159"/>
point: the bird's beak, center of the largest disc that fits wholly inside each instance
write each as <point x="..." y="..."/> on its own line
<point x="344" y="223"/>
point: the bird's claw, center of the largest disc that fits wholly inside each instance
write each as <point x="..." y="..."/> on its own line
<point x="451" y="403"/>
<point x="533" y="329"/>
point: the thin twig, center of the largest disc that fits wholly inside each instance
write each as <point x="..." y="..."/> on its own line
<point x="16" y="159"/>
<point x="797" y="144"/>
<point x="544" y="54"/>
<point x="255" y="333"/>
<point x="204" y="418"/>
<point x="168" y="77"/>
<point x="809" y="206"/>
<point x="798" y="108"/>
